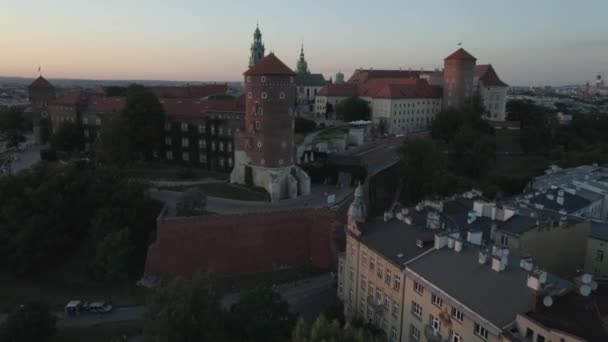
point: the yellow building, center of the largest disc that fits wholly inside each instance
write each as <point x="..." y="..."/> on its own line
<point x="596" y="260"/>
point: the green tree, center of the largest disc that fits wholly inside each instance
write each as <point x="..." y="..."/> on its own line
<point x="145" y="118"/>
<point x="112" y="256"/>
<point x="262" y="315"/>
<point x="113" y="145"/>
<point x="32" y="322"/>
<point x="185" y="310"/>
<point x="68" y="137"/>
<point x="421" y="162"/>
<point x="192" y="202"/>
<point x="13" y="126"/>
<point x="353" y="109"/>
<point x="325" y="330"/>
<point x="472" y="152"/>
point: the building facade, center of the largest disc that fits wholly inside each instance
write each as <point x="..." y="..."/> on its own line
<point x="458" y="73"/>
<point x="492" y="92"/>
<point x="41" y="94"/>
<point x="596" y="258"/>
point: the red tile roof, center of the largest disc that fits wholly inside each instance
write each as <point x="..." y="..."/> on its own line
<point x="189" y="91"/>
<point x="363" y="75"/>
<point x="73" y="98"/>
<point x="41" y="82"/>
<point x="196" y="109"/>
<point x="269" y="65"/>
<point x="340" y="90"/>
<point x="461" y="54"/>
<point x="488" y="76"/>
<point x="106" y="105"/>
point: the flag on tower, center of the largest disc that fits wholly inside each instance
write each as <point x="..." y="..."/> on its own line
<point x="459" y="43"/>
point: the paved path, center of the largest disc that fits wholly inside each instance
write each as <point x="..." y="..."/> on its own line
<point x="307" y="297"/>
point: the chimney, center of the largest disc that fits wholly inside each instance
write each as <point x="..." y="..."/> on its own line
<point x="496" y="264"/>
<point x="483" y="257"/>
<point x="440" y="241"/>
<point x="458" y="245"/>
<point x="450" y="242"/>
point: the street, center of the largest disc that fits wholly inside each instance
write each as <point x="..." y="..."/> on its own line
<point x="307" y="297"/>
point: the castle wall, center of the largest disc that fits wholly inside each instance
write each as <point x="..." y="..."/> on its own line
<point x="247" y="243"/>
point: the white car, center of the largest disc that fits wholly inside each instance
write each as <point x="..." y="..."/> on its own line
<point x="99" y="307"/>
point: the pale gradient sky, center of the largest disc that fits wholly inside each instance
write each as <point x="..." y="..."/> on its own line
<point x="529" y="42"/>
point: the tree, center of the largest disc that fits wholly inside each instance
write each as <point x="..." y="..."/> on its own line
<point x="191" y="203"/>
<point x="184" y="310"/>
<point x="145" y="118"/>
<point x="68" y="137"/>
<point x="421" y="162"/>
<point x="471" y="152"/>
<point x="262" y="315"/>
<point x="113" y="145"/>
<point x="112" y="256"/>
<point x="302" y="125"/>
<point x="353" y="109"/>
<point x="32" y="322"/>
<point x="12" y="126"/>
<point x="325" y="330"/>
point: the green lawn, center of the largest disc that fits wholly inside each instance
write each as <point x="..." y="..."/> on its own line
<point x="111" y="332"/>
<point x="330" y="133"/>
<point x="165" y="171"/>
<point x="227" y="190"/>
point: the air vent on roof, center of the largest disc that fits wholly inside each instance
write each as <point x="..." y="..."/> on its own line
<point x="419" y="243"/>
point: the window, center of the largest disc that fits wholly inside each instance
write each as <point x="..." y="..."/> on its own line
<point x="229" y="146"/>
<point x="393" y="334"/>
<point x="202" y="158"/>
<point x="257" y="125"/>
<point x="504" y="240"/>
<point x="169" y="155"/>
<point x="529" y="334"/>
<point x="185" y="142"/>
<point x="457" y="315"/>
<point x="363" y="284"/>
<point x="281" y="95"/>
<point x="454" y="337"/>
<point x="371" y="288"/>
<point x="220" y="131"/>
<point x="201" y="128"/>
<point x="98" y="122"/>
<point x="397" y="283"/>
<point x="364" y="258"/>
<point x="414" y="333"/>
<point x="540" y="338"/>
<point x="599" y="256"/>
<point x="168" y="141"/>
<point x="263" y="79"/>
<point x="436" y="300"/>
<point x="378" y="295"/>
<point x="184" y="127"/>
<point x="213" y="146"/>
<point x="387" y="302"/>
<point x="418" y="288"/>
<point x="480" y="331"/>
<point x="395" y="312"/>
<point x="371" y="264"/>
<point x="350" y="295"/>
<point x="387" y="276"/>
<point x="221" y="160"/>
<point x="221" y="146"/>
<point x="351" y="274"/>
<point x="168" y="126"/>
<point x="86" y="133"/>
<point x="85" y="121"/>
<point x="379" y="271"/>
<point x="264" y="95"/>
<point x="416" y="309"/>
<point x="361" y="306"/>
<point x="435" y="323"/>
<point x="229" y="162"/>
<point x="185" y="156"/>
<point x="249" y="95"/>
<point x="385" y="325"/>
<point x="202" y="143"/>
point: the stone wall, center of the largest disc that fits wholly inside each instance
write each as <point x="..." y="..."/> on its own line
<point x="247" y="243"/>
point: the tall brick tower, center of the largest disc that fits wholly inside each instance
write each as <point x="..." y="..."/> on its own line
<point x="42" y="94"/>
<point x="458" y="73"/>
<point x="265" y="151"/>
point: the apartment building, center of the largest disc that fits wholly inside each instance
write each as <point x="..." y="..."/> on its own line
<point x="596" y="258"/>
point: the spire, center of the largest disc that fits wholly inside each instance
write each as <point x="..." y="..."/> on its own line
<point x="302" y="65"/>
<point x="257" y="48"/>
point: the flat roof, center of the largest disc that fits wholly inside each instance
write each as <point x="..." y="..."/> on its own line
<point x="495" y="296"/>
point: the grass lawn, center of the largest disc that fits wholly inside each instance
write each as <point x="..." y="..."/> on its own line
<point x="66" y="282"/>
<point x="110" y="332"/>
<point x="165" y="171"/>
<point x="227" y="190"/>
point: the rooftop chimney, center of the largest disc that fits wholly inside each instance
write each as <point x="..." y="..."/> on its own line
<point x="440" y="241"/>
<point x="458" y="245"/>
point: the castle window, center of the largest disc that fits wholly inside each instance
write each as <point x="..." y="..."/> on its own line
<point x="263" y="79"/>
<point x="259" y="144"/>
<point x="257" y="125"/>
<point x="85" y="121"/>
<point x="202" y="143"/>
<point x="282" y="95"/>
<point x="280" y="161"/>
<point x="168" y="126"/>
<point x="98" y="122"/>
<point x="184" y="126"/>
<point x="185" y="142"/>
<point x="169" y="155"/>
<point x="264" y="95"/>
<point x="229" y="162"/>
<point x="202" y="158"/>
<point x="229" y="146"/>
<point x="249" y="95"/>
<point x="168" y="141"/>
<point x="201" y="128"/>
<point x="185" y="156"/>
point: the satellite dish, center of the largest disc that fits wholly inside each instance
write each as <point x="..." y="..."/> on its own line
<point x="548" y="301"/>
<point x="593" y="285"/>
<point x="586" y="278"/>
<point x="585" y="290"/>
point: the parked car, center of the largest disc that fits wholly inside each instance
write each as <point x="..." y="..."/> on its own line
<point x="74" y="308"/>
<point x="99" y="307"/>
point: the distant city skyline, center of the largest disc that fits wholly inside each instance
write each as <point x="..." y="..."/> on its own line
<point x="539" y="43"/>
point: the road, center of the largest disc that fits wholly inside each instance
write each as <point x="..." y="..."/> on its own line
<point x="307" y="297"/>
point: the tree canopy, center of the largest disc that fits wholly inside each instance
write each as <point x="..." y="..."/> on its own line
<point x="32" y="322"/>
<point x="13" y="126"/>
<point x="145" y="120"/>
<point x="325" y="330"/>
<point x="68" y="137"/>
<point x="113" y="145"/>
<point x="353" y="109"/>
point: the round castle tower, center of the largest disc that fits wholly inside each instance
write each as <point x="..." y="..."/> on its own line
<point x="458" y="72"/>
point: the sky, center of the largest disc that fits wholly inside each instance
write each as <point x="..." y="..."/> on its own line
<point x="529" y="42"/>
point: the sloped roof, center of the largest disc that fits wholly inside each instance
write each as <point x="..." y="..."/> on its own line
<point x="403" y="88"/>
<point x="488" y="76"/>
<point x="269" y="65"/>
<point x="106" y="105"/>
<point x="189" y="91"/>
<point x="343" y="89"/>
<point x="73" y="98"/>
<point x="461" y="54"/>
<point x="196" y="109"/>
<point x="599" y="231"/>
<point x="310" y="80"/>
<point x="40" y="82"/>
<point x="361" y="76"/>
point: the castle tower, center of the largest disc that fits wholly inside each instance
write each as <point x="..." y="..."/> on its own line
<point x="339" y="77"/>
<point x="302" y="66"/>
<point x="265" y="151"/>
<point x="458" y="73"/>
<point x="42" y="94"/>
<point x="257" y="47"/>
<point x="357" y="212"/>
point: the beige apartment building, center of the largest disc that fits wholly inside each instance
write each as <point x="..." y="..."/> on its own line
<point x="596" y="259"/>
